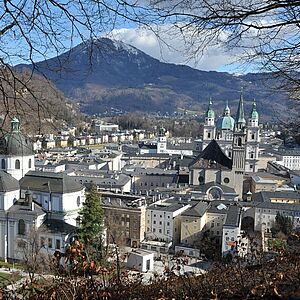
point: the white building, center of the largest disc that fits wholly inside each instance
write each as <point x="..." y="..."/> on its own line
<point x="140" y="260"/>
<point x="289" y="158"/>
<point x="16" y="152"/>
<point x="161" y="221"/>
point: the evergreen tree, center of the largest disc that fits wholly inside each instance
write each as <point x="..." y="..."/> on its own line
<point x="90" y="231"/>
<point x="282" y="224"/>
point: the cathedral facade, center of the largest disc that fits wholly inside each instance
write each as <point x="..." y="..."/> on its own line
<point x="222" y="130"/>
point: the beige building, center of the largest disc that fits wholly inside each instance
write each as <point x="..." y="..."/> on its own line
<point x="192" y="222"/>
<point x="124" y="219"/>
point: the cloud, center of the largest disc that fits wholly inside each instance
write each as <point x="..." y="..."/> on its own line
<point x="172" y="47"/>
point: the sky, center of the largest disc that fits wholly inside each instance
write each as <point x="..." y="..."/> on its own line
<point x="172" y="50"/>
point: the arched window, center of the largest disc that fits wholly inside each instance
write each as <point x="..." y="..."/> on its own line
<point x="78" y="201"/>
<point x="21" y="227"/>
<point x="3" y="164"/>
<point x="239" y="142"/>
<point x="17" y="164"/>
<point x="29" y="163"/>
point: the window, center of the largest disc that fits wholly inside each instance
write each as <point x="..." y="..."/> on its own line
<point x="168" y="223"/>
<point x="49" y="243"/>
<point x="159" y="230"/>
<point x="42" y="242"/>
<point x="29" y="163"/>
<point x="226" y="180"/>
<point x="21" y="227"/>
<point x="160" y="222"/>
<point x="239" y="141"/>
<point x="153" y="229"/>
<point x="57" y="244"/>
<point x="78" y="201"/>
<point x="3" y="163"/>
<point x="208" y="135"/>
<point x="154" y="222"/>
<point x="201" y="179"/>
<point x="17" y="164"/>
<point x="253" y="136"/>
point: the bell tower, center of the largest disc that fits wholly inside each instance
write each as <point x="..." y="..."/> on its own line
<point x="252" y="147"/>
<point x="209" y="128"/>
<point x="239" y="148"/>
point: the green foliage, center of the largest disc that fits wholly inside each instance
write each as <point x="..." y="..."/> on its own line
<point x="282" y="224"/>
<point x="276" y="244"/>
<point x="91" y="217"/>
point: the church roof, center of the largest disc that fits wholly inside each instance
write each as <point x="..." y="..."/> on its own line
<point x="225" y="122"/>
<point x="15" y="143"/>
<point x="214" y="157"/>
<point x="48" y="181"/>
<point x="56" y="225"/>
<point x="8" y="183"/>
<point x="240" y="116"/>
<point x="210" y="113"/>
<point x="254" y="113"/>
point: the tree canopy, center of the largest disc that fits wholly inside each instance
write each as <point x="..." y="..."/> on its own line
<point x="91" y="215"/>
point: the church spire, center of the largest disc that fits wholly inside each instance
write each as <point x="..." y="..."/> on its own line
<point x="240" y="117"/>
<point x="210" y="113"/>
<point x="15" y="125"/>
<point x="226" y="110"/>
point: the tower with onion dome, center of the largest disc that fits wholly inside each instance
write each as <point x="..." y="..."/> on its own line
<point x="16" y="152"/>
<point x="253" y="139"/>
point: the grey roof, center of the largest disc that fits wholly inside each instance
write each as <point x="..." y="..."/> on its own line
<point x="181" y="146"/>
<point x="168" y="208"/>
<point x="213" y="206"/>
<point x="48" y="181"/>
<point x="196" y="211"/>
<point x="233" y="216"/>
<point x="208" y="185"/>
<point x="22" y="207"/>
<point x="104" y="180"/>
<point x="56" y="225"/>
<point x="278" y="206"/>
<point x="8" y="183"/>
<point x="16" y="143"/>
<point x="266" y="196"/>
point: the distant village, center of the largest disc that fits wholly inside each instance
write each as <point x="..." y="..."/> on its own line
<point x="166" y="195"/>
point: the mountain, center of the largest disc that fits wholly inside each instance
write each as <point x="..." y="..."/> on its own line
<point x="101" y="74"/>
<point x="39" y="105"/>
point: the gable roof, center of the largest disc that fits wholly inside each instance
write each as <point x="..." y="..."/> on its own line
<point x="212" y="153"/>
<point x="48" y="181"/>
<point x="8" y="183"/>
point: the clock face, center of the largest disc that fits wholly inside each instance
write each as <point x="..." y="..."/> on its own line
<point x="214" y="194"/>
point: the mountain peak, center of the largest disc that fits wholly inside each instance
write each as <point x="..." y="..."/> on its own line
<point x="103" y="73"/>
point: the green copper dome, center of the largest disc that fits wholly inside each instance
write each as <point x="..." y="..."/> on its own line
<point x="254" y="113"/>
<point x="225" y="122"/>
<point x="15" y="143"/>
<point x="210" y="113"/>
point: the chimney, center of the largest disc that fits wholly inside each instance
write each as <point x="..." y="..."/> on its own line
<point x="28" y="199"/>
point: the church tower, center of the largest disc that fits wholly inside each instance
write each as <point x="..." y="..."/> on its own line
<point x="239" y="148"/>
<point x="209" y="130"/>
<point x="16" y="152"/>
<point x="252" y="146"/>
<point x="162" y="141"/>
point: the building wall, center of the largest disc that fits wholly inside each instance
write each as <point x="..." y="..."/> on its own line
<point x="10" y="165"/>
<point x="191" y="229"/>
